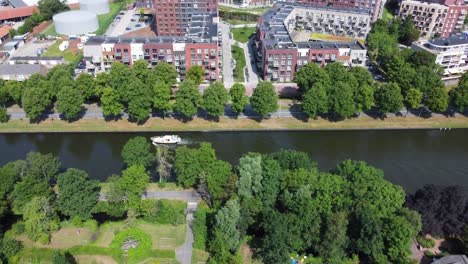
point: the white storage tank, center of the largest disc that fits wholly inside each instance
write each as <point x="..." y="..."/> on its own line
<point x="97" y="6"/>
<point x="76" y="22"/>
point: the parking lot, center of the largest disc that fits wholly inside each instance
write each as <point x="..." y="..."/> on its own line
<point x="30" y="48"/>
<point x="126" y="21"/>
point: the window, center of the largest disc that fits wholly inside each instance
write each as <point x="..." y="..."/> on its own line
<point x="199" y="51"/>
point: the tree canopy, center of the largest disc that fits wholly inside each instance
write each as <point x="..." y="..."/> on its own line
<point x="264" y="99"/>
<point x="238" y="98"/>
<point x="69" y="102"/>
<point x="215" y="98"/>
<point x="188" y="99"/>
<point x="137" y="151"/>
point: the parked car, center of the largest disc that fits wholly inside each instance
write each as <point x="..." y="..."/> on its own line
<point x="138" y="25"/>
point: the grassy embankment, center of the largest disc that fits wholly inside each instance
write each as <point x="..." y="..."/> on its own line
<point x="254" y="10"/>
<point x="91" y="243"/>
<point x="273" y="123"/>
<point x="239" y="56"/>
<point x="243" y="34"/>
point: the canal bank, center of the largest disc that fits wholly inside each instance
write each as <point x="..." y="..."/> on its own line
<point x="410" y="158"/>
<point x="230" y="124"/>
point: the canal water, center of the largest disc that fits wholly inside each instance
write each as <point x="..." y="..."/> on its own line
<point x="410" y="158"/>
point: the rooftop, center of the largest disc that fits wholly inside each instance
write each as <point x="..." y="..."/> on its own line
<point x="459" y="39"/>
<point x="4" y="31"/>
<point x="453" y="259"/>
<point x="21" y="69"/>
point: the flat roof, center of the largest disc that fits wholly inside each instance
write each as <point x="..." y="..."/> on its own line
<point x="20" y="69"/>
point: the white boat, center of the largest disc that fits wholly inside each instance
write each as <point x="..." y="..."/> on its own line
<point x="167" y="139"/>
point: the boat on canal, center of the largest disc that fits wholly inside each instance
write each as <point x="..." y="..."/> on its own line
<point x="167" y="139"/>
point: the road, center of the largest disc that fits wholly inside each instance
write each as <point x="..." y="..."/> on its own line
<point x="118" y="28"/>
<point x="251" y="76"/>
<point x="226" y="43"/>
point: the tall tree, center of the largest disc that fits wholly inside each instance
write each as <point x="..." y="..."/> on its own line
<point x="250" y="171"/>
<point x="69" y="102"/>
<point x="264" y="99"/>
<point x="139" y="108"/>
<point x="77" y="194"/>
<point x="238" y="98"/>
<point x="388" y="98"/>
<point x="335" y="240"/>
<point x="413" y="99"/>
<point x="111" y="107"/>
<point x="215" y="98"/>
<point x="397" y="239"/>
<point x="340" y="100"/>
<point x="363" y="97"/>
<point x="459" y="97"/>
<point x="163" y="73"/>
<point x="165" y="162"/>
<point x="437" y="99"/>
<point x="3" y="115"/>
<point x="44" y="166"/>
<point x="188" y="99"/>
<point x="315" y="101"/>
<point x="338" y="73"/>
<point x="186" y="166"/>
<point x="49" y="8"/>
<point x="408" y="32"/>
<point x="370" y="239"/>
<point x="15" y="91"/>
<point x="227" y="222"/>
<point x="195" y="74"/>
<point x="362" y="76"/>
<point x="35" y="101"/>
<point x="162" y="96"/>
<point x="137" y="151"/>
<point x="140" y="68"/>
<point x="310" y="75"/>
<point x="133" y="182"/>
<point x="40" y="219"/>
<point x="119" y="77"/>
<point x="86" y="85"/>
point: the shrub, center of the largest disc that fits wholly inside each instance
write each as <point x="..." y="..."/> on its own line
<point x="18" y="228"/>
<point x="429" y="254"/>
<point x="3" y="115"/>
<point x="163" y="211"/>
<point x="76" y="221"/>
<point x="199" y="229"/>
<point x="425" y="242"/>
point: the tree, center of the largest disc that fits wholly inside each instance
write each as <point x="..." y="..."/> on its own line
<point x="15" y="91"/>
<point x="44" y="166"/>
<point x="315" y="101"/>
<point x="340" y="100"/>
<point x="9" y="176"/>
<point x="238" y="98"/>
<point x="137" y="151"/>
<point x="227" y="221"/>
<point x="215" y="98"/>
<point x="86" y="85"/>
<point x="139" y="108"/>
<point x="274" y="243"/>
<point x="335" y="240"/>
<point x="164" y="159"/>
<point x="162" y="96"/>
<point x="370" y="238"/>
<point x="140" y="68"/>
<point x="397" y="239"/>
<point x="388" y="98"/>
<point x="9" y="248"/>
<point x="58" y="77"/>
<point x="338" y="73"/>
<point x="35" y="101"/>
<point x="310" y="75"/>
<point x="408" y="32"/>
<point x="362" y="76"/>
<point x="40" y="219"/>
<point x="4" y="96"/>
<point x="163" y="72"/>
<point x="48" y="8"/>
<point x="437" y="99"/>
<point x="3" y="115"/>
<point x="195" y="74"/>
<point x="28" y="188"/>
<point x="363" y="97"/>
<point x="60" y="258"/>
<point x="413" y="99"/>
<point x="120" y="76"/>
<point x="293" y="160"/>
<point x="77" y="195"/>
<point x="186" y="166"/>
<point x="133" y="182"/>
<point x="111" y="107"/>
<point x="188" y="99"/>
<point x="264" y="99"/>
<point x="459" y="97"/>
<point x="69" y="102"/>
<point x="250" y="175"/>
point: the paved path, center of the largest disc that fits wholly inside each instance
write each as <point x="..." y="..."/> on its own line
<point x="118" y="28"/>
<point x="226" y="43"/>
<point x="184" y="252"/>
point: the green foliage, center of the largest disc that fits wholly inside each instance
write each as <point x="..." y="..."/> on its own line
<point x="133" y="182"/>
<point x="340" y="100"/>
<point x="69" y="102"/>
<point x="112" y="209"/>
<point x="250" y="175"/>
<point x="200" y="228"/>
<point x="195" y="74"/>
<point x="186" y="166"/>
<point x="111" y="107"/>
<point x="9" y="248"/>
<point x="86" y="85"/>
<point x="227" y="222"/>
<point x="139" y="108"/>
<point x="40" y="219"/>
<point x="3" y="115"/>
<point x="77" y="194"/>
<point x="335" y="240"/>
<point x="15" y="91"/>
<point x="388" y="98"/>
<point x="239" y="56"/>
<point x="163" y="73"/>
<point x="437" y="99"/>
<point x="362" y="76"/>
<point x="188" y="99"/>
<point x="137" y="151"/>
<point x="238" y="98"/>
<point x="59" y="258"/>
<point x="363" y="97"/>
<point x="425" y="242"/>
<point x="169" y="212"/>
<point x="397" y="239"/>
<point x="49" y="8"/>
<point x="311" y="75"/>
<point x="264" y="99"/>
<point x="413" y="98"/>
<point x="215" y="98"/>
<point x="162" y="95"/>
<point x="143" y="248"/>
<point x="45" y="166"/>
<point x="408" y="32"/>
<point x="315" y="101"/>
<point x="35" y="101"/>
<point x="9" y="175"/>
<point x="459" y="96"/>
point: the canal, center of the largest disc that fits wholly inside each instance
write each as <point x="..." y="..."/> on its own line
<point x="410" y="158"/>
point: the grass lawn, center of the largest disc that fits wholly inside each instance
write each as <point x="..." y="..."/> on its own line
<point x="239" y="22"/>
<point x="243" y="34"/>
<point x="254" y="10"/>
<point x="199" y="256"/>
<point x="54" y="51"/>
<point x="326" y="37"/>
<point x="239" y="56"/>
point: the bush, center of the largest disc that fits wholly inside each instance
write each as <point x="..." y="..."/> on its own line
<point x="76" y="221"/>
<point x="425" y="242"/>
<point x="3" y="115"/>
<point x="199" y="229"/>
<point x="163" y="211"/>
<point x="429" y="254"/>
<point x="18" y="228"/>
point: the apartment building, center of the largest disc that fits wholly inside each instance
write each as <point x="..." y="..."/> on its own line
<point x="435" y="18"/>
<point x="451" y="53"/>
<point x="199" y="46"/>
<point x="279" y="57"/>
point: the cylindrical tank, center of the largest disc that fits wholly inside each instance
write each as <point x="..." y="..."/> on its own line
<point x="97" y="6"/>
<point x="76" y="22"/>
